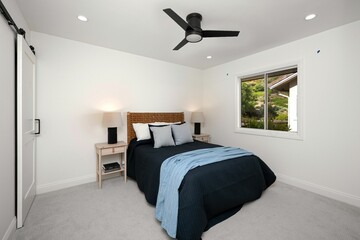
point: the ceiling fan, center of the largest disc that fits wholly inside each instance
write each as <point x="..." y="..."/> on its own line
<point x="193" y="31"/>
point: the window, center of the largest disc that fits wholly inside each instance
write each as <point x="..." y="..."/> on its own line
<point x="269" y="101"/>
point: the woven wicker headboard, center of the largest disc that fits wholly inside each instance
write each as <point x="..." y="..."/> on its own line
<point x="149" y="117"/>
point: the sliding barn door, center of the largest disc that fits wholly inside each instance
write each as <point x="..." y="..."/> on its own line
<point x="26" y="141"/>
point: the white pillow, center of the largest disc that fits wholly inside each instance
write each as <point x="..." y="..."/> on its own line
<point x="162" y="136"/>
<point x="182" y="133"/>
<point x="142" y="131"/>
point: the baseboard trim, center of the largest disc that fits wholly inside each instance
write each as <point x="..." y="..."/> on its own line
<point x="71" y="182"/>
<point x="324" y="191"/>
<point x="10" y="232"/>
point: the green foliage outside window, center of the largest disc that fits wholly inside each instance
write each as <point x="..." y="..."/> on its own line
<point x="252" y="107"/>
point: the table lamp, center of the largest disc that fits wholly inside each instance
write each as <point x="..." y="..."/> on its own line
<point x="112" y="120"/>
<point x="197" y="118"/>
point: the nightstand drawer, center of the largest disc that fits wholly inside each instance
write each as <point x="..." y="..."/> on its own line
<point x="204" y="139"/>
<point x="119" y="149"/>
<point x="108" y="151"/>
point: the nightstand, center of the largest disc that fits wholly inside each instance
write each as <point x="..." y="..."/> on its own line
<point x="104" y="149"/>
<point x="204" y="137"/>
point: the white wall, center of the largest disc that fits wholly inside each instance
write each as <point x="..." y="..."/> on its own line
<point x="7" y="122"/>
<point x="77" y="82"/>
<point x="327" y="160"/>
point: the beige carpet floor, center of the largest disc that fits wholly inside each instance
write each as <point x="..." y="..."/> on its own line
<point x="119" y="211"/>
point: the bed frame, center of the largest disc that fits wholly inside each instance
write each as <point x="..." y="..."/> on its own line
<point x="149" y="117"/>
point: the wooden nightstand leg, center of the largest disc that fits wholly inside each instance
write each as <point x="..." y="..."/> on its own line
<point x="125" y="166"/>
<point x="100" y="171"/>
<point x="120" y="162"/>
<point x="97" y="167"/>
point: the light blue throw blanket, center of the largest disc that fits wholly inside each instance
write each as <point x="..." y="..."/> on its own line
<point x="172" y="173"/>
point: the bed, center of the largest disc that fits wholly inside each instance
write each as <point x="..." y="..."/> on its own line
<point x="208" y="194"/>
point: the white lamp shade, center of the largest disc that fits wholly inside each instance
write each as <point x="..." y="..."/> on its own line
<point x="197" y="117"/>
<point x="112" y="119"/>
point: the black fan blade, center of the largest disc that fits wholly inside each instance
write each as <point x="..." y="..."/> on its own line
<point x="181" y="44"/>
<point x="177" y="19"/>
<point x="216" y="33"/>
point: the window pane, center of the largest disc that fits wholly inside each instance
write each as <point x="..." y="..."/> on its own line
<point x="282" y="102"/>
<point x="252" y="102"/>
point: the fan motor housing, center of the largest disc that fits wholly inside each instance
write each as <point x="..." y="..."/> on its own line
<point x="195" y="34"/>
<point x="194" y="20"/>
<point x="193" y="31"/>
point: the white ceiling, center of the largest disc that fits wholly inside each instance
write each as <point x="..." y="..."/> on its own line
<point x="141" y="27"/>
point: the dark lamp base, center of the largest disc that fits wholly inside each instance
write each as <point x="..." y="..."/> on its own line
<point x="197" y="128"/>
<point x="112" y="135"/>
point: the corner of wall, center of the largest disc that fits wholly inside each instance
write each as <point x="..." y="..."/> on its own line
<point x="10" y="232"/>
<point x="324" y="191"/>
<point x="64" y="184"/>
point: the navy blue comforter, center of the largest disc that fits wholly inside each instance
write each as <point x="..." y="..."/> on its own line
<point x="208" y="194"/>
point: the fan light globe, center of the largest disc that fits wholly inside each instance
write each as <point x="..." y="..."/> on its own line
<point x="193" y="37"/>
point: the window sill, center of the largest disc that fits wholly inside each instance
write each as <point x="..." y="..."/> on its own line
<point x="270" y="133"/>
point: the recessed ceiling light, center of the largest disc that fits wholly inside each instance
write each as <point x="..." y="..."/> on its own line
<point x="209" y="57"/>
<point x="82" y="18"/>
<point x="310" y="16"/>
